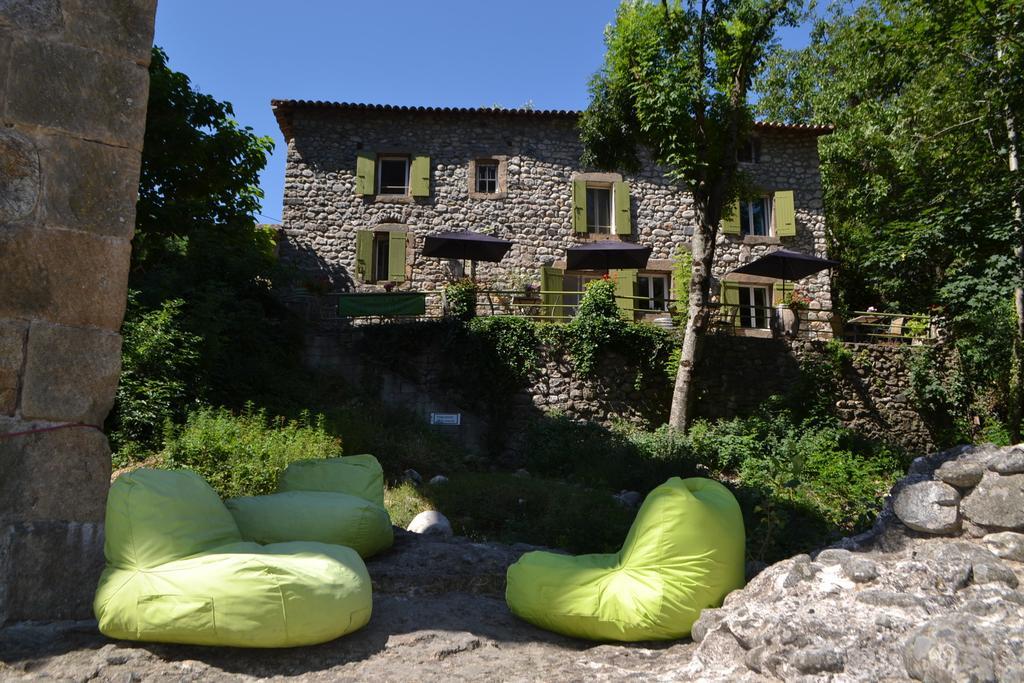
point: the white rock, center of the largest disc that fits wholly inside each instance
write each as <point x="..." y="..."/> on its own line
<point x="430" y="522"/>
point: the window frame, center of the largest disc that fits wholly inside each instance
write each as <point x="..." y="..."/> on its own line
<point x="752" y="307"/>
<point x="381" y="245"/>
<point x="593" y="228"/>
<point x="500" y="161"/>
<point x="650" y="299"/>
<point x="749" y="152"/>
<point x="580" y="279"/>
<point x="747" y="213"/>
<point x="481" y="165"/>
<point x="379" y="187"/>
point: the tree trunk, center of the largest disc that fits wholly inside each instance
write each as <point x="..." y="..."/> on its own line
<point x="703" y="252"/>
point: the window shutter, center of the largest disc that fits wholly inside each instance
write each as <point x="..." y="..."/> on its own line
<point x="419" y="176"/>
<point x="551" y="281"/>
<point x="366" y="170"/>
<point x="396" y="256"/>
<point x="625" y="287"/>
<point x="579" y="205"/>
<point x="364" y="255"/>
<point x="730" y="301"/>
<point x="731" y="219"/>
<point x="780" y="291"/>
<point x="622" y="209"/>
<point x="785" y="214"/>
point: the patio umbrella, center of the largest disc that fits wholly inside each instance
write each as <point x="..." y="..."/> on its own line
<point x="464" y="245"/>
<point x="784" y="264"/>
<point x="605" y="255"/>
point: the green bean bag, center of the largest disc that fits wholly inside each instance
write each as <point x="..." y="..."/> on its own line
<point x="178" y="571"/>
<point x="314" y="516"/>
<point x="356" y="475"/>
<point x="684" y="552"/>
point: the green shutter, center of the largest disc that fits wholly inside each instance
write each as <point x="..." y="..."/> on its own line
<point x="364" y="255"/>
<point x="731" y="219"/>
<point x="622" y="222"/>
<point x="366" y="170"/>
<point x="551" y="284"/>
<point x="419" y="176"/>
<point x="780" y="291"/>
<point x="731" y="302"/>
<point x="396" y="256"/>
<point x="785" y="214"/>
<point x="625" y="287"/>
<point x="579" y="205"/>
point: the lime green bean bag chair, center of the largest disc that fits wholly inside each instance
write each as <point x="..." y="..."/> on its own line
<point x="332" y="500"/>
<point x="178" y="571"/>
<point x="684" y="552"/>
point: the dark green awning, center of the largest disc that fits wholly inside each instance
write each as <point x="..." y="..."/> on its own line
<point x="382" y="303"/>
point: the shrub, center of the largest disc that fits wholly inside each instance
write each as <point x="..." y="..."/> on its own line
<point x="460" y="299"/>
<point x="242" y="455"/>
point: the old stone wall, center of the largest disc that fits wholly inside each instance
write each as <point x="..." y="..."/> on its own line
<point x="541" y="151"/>
<point x="73" y="90"/>
<point x="737" y="374"/>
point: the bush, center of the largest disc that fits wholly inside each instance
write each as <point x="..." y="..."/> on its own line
<point x="460" y="299"/>
<point x="242" y="455"/>
<point x="548" y="512"/>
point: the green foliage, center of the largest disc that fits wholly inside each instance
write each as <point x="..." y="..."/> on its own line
<point x="682" y="272"/>
<point x="506" y="348"/>
<point x="940" y="394"/>
<point x="157" y="377"/>
<point x="917" y="185"/>
<point x="460" y="299"/>
<point x="242" y="455"/>
<point x="533" y="510"/>
<point x="598" y="301"/>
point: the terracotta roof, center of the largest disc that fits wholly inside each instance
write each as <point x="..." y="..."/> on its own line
<point x="282" y="107"/>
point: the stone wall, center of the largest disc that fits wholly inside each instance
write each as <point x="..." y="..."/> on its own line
<point x="736" y="374"/>
<point x="541" y="151"/>
<point x="73" y="90"/>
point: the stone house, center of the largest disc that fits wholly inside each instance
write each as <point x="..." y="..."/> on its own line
<point x="364" y="185"/>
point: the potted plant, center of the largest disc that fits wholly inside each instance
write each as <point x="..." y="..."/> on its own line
<point x="789" y="310"/>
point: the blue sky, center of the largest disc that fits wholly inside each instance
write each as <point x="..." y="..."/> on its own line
<point x="457" y="53"/>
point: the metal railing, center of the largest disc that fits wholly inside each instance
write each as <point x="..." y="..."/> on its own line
<point x="554" y="305"/>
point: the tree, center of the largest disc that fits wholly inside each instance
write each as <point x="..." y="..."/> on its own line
<point x="675" y="82"/>
<point x="919" y="195"/>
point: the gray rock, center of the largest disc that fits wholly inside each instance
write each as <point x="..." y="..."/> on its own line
<point x="998" y="501"/>
<point x="413" y="477"/>
<point x="430" y="522"/>
<point x="819" y="660"/>
<point x="860" y="569"/>
<point x="950" y="649"/>
<point x="928" y="506"/>
<point x="994" y="572"/>
<point x="629" y="499"/>
<point x="522" y="473"/>
<point x="438" y="479"/>
<point x="1008" y="545"/>
<point x="959" y="473"/>
<point x="831" y="556"/>
<point x="1010" y="461"/>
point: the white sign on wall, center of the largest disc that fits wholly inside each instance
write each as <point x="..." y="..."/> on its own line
<point x="450" y="419"/>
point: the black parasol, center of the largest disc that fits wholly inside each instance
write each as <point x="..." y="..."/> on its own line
<point x="470" y="245"/>
<point x="605" y="255"/>
<point x="784" y="264"/>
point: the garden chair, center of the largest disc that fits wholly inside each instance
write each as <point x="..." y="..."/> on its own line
<point x="684" y="553"/>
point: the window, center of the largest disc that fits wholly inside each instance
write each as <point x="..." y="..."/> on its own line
<point x="576" y="282"/>
<point x="393" y="175"/>
<point x="755" y="217"/>
<point x="653" y="288"/>
<point x="487" y="177"/>
<point x="599" y="209"/>
<point x="380" y="255"/>
<point x="749" y="152"/>
<point x="754" y="308"/>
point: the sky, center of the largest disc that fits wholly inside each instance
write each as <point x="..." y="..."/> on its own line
<point x="444" y="53"/>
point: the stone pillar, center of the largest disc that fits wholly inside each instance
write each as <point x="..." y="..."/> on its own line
<point x="73" y="90"/>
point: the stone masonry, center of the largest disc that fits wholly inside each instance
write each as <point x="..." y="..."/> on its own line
<point x="539" y="154"/>
<point x="73" y="89"/>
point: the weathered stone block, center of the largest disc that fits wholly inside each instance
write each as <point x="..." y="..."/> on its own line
<point x="70" y="373"/>
<point x="928" y="506"/>
<point x="61" y="474"/>
<point x="1007" y="544"/>
<point x="19" y="176"/>
<point x="997" y="502"/>
<point x="65" y="277"/>
<point x="91" y="23"/>
<point x="1010" y="461"/>
<point x="52" y="569"/>
<point x="12" y="355"/>
<point x="79" y="91"/>
<point x="40" y="16"/>
<point x="961" y="473"/>
<point x="89" y="186"/>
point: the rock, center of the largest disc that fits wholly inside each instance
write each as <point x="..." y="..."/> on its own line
<point x="1008" y="545"/>
<point x="860" y="569"/>
<point x="950" y="649"/>
<point x="997" y="501"/>
<point x="819" y="660"/>
<point x="438" y="479"/>
<point x="960" y="473"/>
<point x="430" y="522"/>
<point x="629" y="499"/>
<point x="1008" y="462"/>
<point x="994" y="572"/>
<point x="522" y="473"/>
<point x="928" y="506"/>
<point x="831" y="556"/>
<point x="413" y="477"/>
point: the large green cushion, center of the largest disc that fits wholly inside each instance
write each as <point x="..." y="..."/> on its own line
<point x="684" y="552"/>
<point x="314" y="516"/>
<point x="171" y="578"/>
<point x="356" y="475"/>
